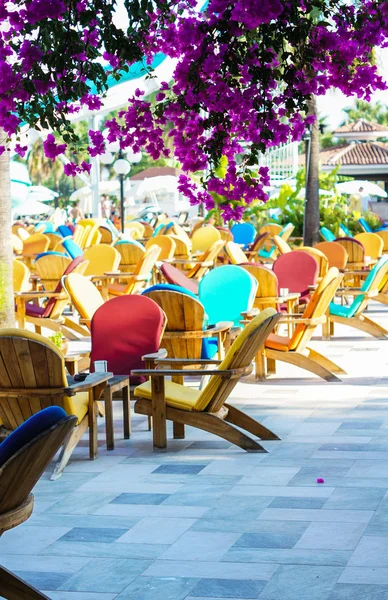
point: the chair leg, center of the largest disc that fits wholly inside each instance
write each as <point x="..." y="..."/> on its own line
<point x="93" y="429"/>
<point x="126" y="412"/>
<point x="325" y="362"/>
<point x="14" y="588"/>
<point x="271" y="366"/>
<point x="68" y="448"/>
<point x="159" y="430"/>
<point x="214" y="424"/>
<point x="260" y="365"/>
<point x="110" y="441"/>
<point x="241" y="419"/>
<point x="149" y="423"/>
<point x="304" y="362"/>
<point x="178" y="431"/>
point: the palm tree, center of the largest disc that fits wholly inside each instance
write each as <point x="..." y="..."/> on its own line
<point x="6" y="257"/>
<point x="311" y="212"/>
<point x="376" y="113"/>
<point x="41" y="169"/>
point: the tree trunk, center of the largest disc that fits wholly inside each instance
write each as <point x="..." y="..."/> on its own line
<point x="311" y="213"/>
<point x="7" y="311"/>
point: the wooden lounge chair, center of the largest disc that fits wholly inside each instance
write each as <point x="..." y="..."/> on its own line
<point x="200" y="265"/>
<point x="102" y="258"/>
<point x="294" y="349"/>
<point x="372" y="243"/>
<point x="131" y="253"/>
<point x="135" y="281"/>
<point x="49" y="267"/>
<point x="51" y="315"/>
<point x="322" y="260"/>
<point x="353" y="315"/>
<point x="24" y="456"/>
<point x="33" y="377"/>
<point x="166" y="244"/>
<point x="84" y="296"/>
<point x="335" y="254"/>
<point x="207" y="409"/>
<point x="204" y="237"/>
<point x="281" y="245"/>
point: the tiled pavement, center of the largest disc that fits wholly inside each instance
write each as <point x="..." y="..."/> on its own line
<point x="206" y="520"/>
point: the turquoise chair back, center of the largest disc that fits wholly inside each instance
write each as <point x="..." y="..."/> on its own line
<point x="226" y="292"/>
<point x="285" y="228"/>
<point x="365" y="225"/>
<point x="327" y="235"/>
<point x="72" y="248"/>
<point x="350" y="311"/>
<point x="343" y="229"/>
<point x="243" y="233"/>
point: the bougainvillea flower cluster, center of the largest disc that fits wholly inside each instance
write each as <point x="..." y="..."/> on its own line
<point x="244" y="72"/>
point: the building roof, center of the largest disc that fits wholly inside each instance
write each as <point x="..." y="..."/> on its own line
<point x="366" y="153"/>
<point x="360" y="126"/>
<point x="155" y="172"/>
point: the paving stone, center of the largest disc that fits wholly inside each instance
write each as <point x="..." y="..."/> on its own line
<point x="210" y="570"/>
<point x="170" y="469"/>
<point x="266" y="540"/>
<point x="105" y="575"/>
<point x="200" y="546"/>
<point x="294" y="556"/>
<point x="343" y="591"/>
<point x="296" y="582"/>
<point x="225" y="588"/>
<point x="158" y="588"/>
<point x="334" y="516"/>
<point x="156" y="531"/>
<point x="140" y="499"/>
<point x="355" y="498"/>
<point x="78" y="595"/>
<point x="93" y="534"/>
<point x="371" y="552"/>
<point x="323" y="536"/>
<point x="298" y="502"/>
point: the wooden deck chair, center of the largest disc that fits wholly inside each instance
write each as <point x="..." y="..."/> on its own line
<point x="142" y="273"/>
<point x="353" y="315"/>
<point x="22" y="233"/>
<point x="84" y="295"/>
<point x="203" y="263"/>
<point x="320" y="257"/>
<point x="200" y="222"/>
<point x="372" y="243"/>
<point x="166" y="244"/>
<point x="253" y="254"/>
<point x="294" y="349"/>
<point x="204" y="237"/>
<point x="148" y="229"/>
<point x="182" y="248"/>
<point x="267" y="291"/>
<point x="356" y="252"/>
<point x="79" y="235"/>
<point x="93" y="237"/>
<point x="182" y="217"/>
<point x="24" y="456"/>
<point x="175" y="276"/>
<point x="243" y="234"/>
<point x="335" y="254"/>
<point x="207" y="409"/>
<point x="21" y="277"/>
<point x="383" y="234"/>
<point x="286" y="232"/>
<point x="272" y="229"/>
<point x="186" y="334"/>
<point x="131" y="253"/>
<point x="55" y="239"/>
<point x="106" y="235"/>
<point x="296" y="271"/>
<point x="34" y="377"/>
<point x="135" y="229"/>
<point x="235" y="254"/>
<point x="17" y="244"/>
<point x="49" y="267"/>
<point x="51" y="315"/>
<point x="177" y="230"/>
<point x="281" y="245"/>
<point x="36" y="243"/>
<point x="225" y="234"/>
<point x="102" y="259"/>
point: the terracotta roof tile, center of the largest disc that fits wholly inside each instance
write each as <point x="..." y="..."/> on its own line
<point x="361" y="126"/>
<point x="366" y="153"/>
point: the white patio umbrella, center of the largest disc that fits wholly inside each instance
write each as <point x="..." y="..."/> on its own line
<point x="33" y="207"/>
<point x="40" y="193"/>
<point x="352" y="187"/>
<point x="161" y="183"/>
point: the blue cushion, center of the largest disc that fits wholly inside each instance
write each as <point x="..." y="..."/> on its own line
<point x="209" y="348"/>
<point x="29" y="430"/>
<point x="47" y="253"/>
<point x="65" y="231"/>
<point x="345" y="230"/>
<point x="267" y="253"/>
<point x="72" y="248"/>
<point x="340" y="311"/>
<point x="243" y="233"/>
<point x="327" y="234"/>
<point x="365" y="225"/>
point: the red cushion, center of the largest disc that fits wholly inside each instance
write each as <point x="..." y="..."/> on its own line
<point x="296" y="271"/>
<point x="176" y="277"/>
<point x="123" y="330"/>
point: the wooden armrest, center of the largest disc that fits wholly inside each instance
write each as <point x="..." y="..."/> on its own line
<point x="188" y="361"/>
<point x="85" y="321"/>
<point x="40" y="294"/>
<point x="159" y="355"/>
<point x="91" y="381"/>
<point x="170" y="372"/>
<point x="356" y="292"/>
<point x="221" y="326"/>
<point x="314" y="321"/>
<point x="250" y="313"/>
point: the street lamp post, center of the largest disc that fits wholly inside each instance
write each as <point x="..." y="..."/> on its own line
<point x="122" y="167"/>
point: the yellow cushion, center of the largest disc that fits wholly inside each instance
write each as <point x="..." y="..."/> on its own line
<point x="77" y="405"/>
<point x="177" y="395"/>
<point x="84" y="294"/>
